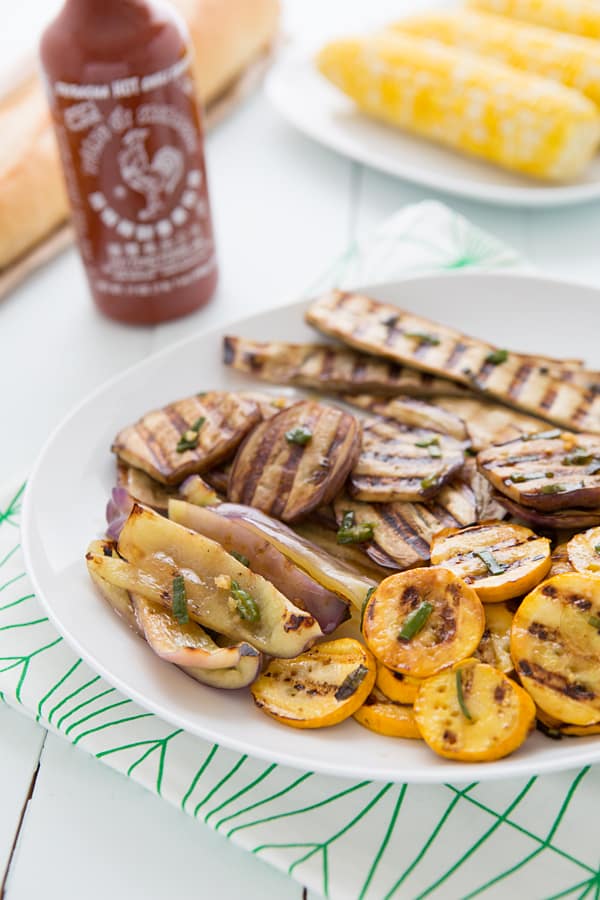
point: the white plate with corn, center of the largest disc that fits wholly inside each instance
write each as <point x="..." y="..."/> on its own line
<point x="498" y="100"/>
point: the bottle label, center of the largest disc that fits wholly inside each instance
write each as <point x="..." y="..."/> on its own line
<point x="134" y="165"/>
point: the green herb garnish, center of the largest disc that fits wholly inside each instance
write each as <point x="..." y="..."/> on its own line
<point x="415" y="621"/>
<point x="423" y="338"/>
<point x="180" y="609"/>
<point x="470" y="451"/>
<point x="430" y="481"/>
<point x="597" y="548"/>
<point x="246" y="604"/>
<point x="300" y="435"/>
<point x="490" y="562"/>
<point x="199" y="423"/>
<point x="496" y="357"/>
<point x="432" y="445"/>
<point x="355" y="534"/>
<point x="351" y="683"/>
<point x="189" y="438"/>
<point x="552" y="488"/>
<point x="578" y="457"/>
<point x="363" y="610"/>
<point x="240" y="558"/>
<point x="519" y="479"/>
<point x="595" y="622"/>
<point x="461" y="696"/>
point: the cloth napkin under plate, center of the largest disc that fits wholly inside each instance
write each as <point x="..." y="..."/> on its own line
<point x="532" y="837"/>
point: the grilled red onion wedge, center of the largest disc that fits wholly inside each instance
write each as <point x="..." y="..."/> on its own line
<point x="296" y="461"/>
<point x="549" y="471"/>
<point x="399" y="463"/>
<point x="188" y="436"/>
<point x="262" y="557"/>
<point x="118" y="598"/>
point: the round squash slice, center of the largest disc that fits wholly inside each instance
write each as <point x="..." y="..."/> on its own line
<point x="494" y="647"/>
<point x="555" y="729"/>
<point x="473" y="713"/>
<point x="423" y="620"/>
<point x="384" y="716"/>
<point x="323" y="686"/>
<point x="499" y="560"/>
<point x="583" y="551"/>
<point x="555" y="646"/>
<point x="396" y="686"/>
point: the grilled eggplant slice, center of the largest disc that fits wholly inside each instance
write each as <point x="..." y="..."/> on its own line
<point x="422" y="621"/>
<point x="350" y="554"/>
<point x="385" y="716"/>
<point x="549" y="471"/>
<point x="559" y="520"/>
<point x="296" y="461"/>
<point x="512" y="378"/>
<point x="413" y="413"/>
<point x="473" y="713"/>
<point x="402" y="532"/>
<point x="494" y="647"/>
<point x="499" y="560"/>
<point x="262" y="557"/>
<point x="555" y="645"/>
<point x="188" y="436"/>
<point x="583" y="552"/>
<point x="398" y="687"/>
<point x="327" y="367"/>
<point x="560" y="561"/>
<point x="489" y="423"/>
<point x="321" y="687"/>
<point x="155" y="551"/>
<point x="397" y="463"/>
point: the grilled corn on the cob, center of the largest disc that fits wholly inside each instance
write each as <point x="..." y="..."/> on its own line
<point x="577" y="16"/>
<point x="456" y="98"/>
<point x="572" y="60"/>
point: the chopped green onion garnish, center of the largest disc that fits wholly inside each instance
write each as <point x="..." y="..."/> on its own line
<point x="552" y="488"/>
<point x="519" y="479"/>
<point x="427" y="442"/>
<point x="180" y="609"/>
<point x="470" y="451"/>
<point x="597" y="548"/>
<point x="549" y="474"/>
<point x="430" y="481"/>
<point x="300" y="435"/>
<point x="415" y="621"/>
<point x="347" y="518"/>
<point x="542" y="435"/>
<point x="432" y="445"/>
<point x="240" y="558"/>
<point x="490" y="562"/>
<point x="199" y="423"/>
<point x="351" y="683"/>
<point x="187" y="441"/>
<point x="578" y="457"/>
<point x="497" y="357"/>
<point x="356" y="534"/>
<point x="594" y="622"/>
<point x="246" y="604"/>
<point x="461" y="696"/>
<point x="368" y="596"/>
<point x="422" y="337"/>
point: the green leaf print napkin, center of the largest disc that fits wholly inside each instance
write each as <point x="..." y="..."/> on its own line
<point x="534" y="838"/>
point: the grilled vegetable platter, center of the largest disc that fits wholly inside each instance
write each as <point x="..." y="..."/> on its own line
<point x="403" y="527"/>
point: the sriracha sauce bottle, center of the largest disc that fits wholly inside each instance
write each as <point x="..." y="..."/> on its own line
<point x="130" y="136"/>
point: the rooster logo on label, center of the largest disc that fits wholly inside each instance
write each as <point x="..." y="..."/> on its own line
<point x="155" y="178"/>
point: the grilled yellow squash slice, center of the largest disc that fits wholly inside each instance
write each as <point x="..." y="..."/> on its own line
<point x="424" y="620"/>
<point x="473" y="713"/>
<point x="385" y="716"/>
<point x="583" y="551"/>
<point x="494" y="647"/>
<point x="499" y="560"/>
<point x="555" y="729"/>
<point x="555" y="645"/>
<point x="323" y="686"/>
<point x="398" y="687"/>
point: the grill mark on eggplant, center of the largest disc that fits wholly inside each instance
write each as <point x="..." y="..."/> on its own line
<point x="356" y="319"/>
<point x="455" y="354"/>
<point x="262" y="454"/>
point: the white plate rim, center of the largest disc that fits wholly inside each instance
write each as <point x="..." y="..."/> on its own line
<point x="580" y="753"/>
<point x="542" y="196"/>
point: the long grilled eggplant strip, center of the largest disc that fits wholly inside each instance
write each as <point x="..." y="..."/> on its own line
<point x="559" y="520"/>
<point x="399" y="463"/>
<point x="414" y="413"/>
<point x="296" y="461"/>
<point x="187" y="437"/>
<point x="327" y="367"/>
<point x="513" y="378"/>
<point x="488" y="422"/>
<point x="549" y="471"/>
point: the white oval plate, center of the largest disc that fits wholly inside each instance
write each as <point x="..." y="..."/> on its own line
<point x="315" y="107"/>
<point x="67" y="492"/>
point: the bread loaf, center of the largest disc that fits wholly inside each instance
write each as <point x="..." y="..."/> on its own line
<point x="227" y="36"/>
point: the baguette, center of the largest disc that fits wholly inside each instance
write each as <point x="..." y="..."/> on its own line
<point x="227" y="35"/>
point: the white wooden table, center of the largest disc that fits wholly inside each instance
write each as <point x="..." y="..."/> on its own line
<point x="283" y="208"/>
